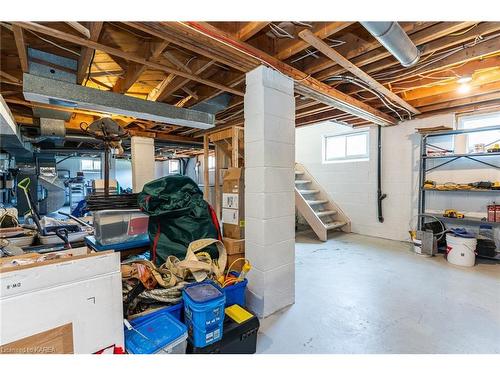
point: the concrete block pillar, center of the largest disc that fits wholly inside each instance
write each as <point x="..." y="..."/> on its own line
<point x="269" y="190"/>
<point x="143" y="162"/>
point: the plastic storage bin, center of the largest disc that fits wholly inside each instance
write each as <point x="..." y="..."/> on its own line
<point x="161" y="334"/>
<point x="204" y="312"/>
<point x="235" y="294"/>
<point x="175" y="310"/>
<point x="119" y="226"/>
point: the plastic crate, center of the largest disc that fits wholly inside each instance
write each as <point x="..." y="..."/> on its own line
<point x="235" y="294"/>
<point x="177" y="311"/>
<point x="204" y="312"/>
<point x="161" y="334"/>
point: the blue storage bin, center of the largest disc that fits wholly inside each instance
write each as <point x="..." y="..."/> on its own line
<point x="177" y="311"/>
<point x="159" y="334"/>
<point x="204" y="312"/>
<point x="235" y="294"/>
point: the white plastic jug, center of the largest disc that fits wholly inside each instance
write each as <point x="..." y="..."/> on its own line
<point x="461" y="251"/>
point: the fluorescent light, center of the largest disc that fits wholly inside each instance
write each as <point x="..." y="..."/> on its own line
<point x="464" y="79"/>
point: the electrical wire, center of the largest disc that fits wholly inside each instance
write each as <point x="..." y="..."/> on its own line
<point x="387" y="103"/>
<point x="280" y="32"/>
<point x="465" y="31"/>
<point x="90" y="68"/>
<point x="54" y="43"/>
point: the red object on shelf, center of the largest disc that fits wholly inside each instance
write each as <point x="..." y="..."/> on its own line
<point x="492" y="212"/>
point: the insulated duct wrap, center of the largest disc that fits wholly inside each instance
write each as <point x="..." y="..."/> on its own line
<point x="395" y="40"/>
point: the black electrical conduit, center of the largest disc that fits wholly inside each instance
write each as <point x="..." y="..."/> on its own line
<point x="380" y="195"/>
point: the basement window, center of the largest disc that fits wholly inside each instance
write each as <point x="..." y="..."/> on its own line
<point x="211" y="162"/>
<point x="174" y="166"/>
<point x="346" y="147"/>
<point x="488" y="138"/>
<point x="90" y="165"/>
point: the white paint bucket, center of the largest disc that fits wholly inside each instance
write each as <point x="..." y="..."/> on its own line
<point x="461" y="251"/>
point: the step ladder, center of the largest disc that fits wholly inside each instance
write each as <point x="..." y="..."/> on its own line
<point x="316" y="206"/>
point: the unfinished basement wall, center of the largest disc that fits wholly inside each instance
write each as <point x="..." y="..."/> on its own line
<point x="353" y="185"/>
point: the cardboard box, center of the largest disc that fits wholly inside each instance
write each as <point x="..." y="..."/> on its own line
<point x="83" y="291"/>
<point x="234" y="246"/>
<point x="238" y="265"/>
<point x="233" y="205"/>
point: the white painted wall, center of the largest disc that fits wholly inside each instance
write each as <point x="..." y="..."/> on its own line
<point x="353" y="185"/>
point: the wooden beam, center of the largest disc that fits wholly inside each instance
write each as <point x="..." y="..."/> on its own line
<point x="80" y="28"/>
<point x="116" y="52"/>
<point x="321" y="30"/>
<point x="355" y="46"/>
<point x="474" y="101"/>
<point x="21" y="47"/>
<point x="324" y="48"/>
<point x="134" y="71"/>
<point x="166" y="90"/>
<point x="164" y="137"/>
<point x="86" y="52"/>
<point x="304" y="84"/>
<point x="249" y="29"/>
<point x="12" y="80"/>
<point x="454" y="95"/>
<point x="418" y="38"/>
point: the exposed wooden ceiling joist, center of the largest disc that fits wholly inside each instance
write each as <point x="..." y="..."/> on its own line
<point x="86" y="52"/>
<point x="321" y="46"/>
<point x="303" y="82"/>
<point x="249" y="29"/>
<point x="21" y="47"/>
<point x="116" y="52"/>
<point x="321" y="30"/>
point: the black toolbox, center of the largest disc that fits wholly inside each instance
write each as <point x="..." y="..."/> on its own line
<point x="236" y="339"/>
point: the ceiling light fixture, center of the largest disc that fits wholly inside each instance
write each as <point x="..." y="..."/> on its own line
<point x="464" y="88"/>
<point x="464" y="79"/>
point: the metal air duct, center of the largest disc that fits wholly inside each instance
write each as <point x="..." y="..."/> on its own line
<point x="395" y="40"/>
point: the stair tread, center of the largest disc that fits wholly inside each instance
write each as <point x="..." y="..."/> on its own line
<point x="302" y="181"/>
<point x="298" y="173"/>
<point x="305" y="191"/>
<point x="326" y="213"/>
<point x="335" y="224"/>
<point x="319" y="201"/>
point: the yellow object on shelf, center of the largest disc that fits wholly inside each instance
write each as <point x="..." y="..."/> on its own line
<point x="238" y="313"/>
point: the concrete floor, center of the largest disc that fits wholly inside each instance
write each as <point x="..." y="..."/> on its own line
<point x="359" y="294"/>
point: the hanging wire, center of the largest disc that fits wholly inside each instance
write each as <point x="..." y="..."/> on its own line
<point x="280" y="32"/>
<point x="54" y="43"/>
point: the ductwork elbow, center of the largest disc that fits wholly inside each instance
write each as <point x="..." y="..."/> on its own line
<point x="395" y="40"/>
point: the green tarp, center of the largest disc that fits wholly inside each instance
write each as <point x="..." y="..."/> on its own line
<point x="178" y="215"/>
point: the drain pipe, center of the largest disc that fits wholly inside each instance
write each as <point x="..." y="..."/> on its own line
<point x="380" y="196"/>
<point x="392" y="36"/>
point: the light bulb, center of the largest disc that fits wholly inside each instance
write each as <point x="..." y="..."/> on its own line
<point x="464" y="88"/>
<point x="464" y="79"/>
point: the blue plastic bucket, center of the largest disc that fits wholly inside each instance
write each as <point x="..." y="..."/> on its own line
<point x="235" y="294"/>
<point x="204" y="312"/>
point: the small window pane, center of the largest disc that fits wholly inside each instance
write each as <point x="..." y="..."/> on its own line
<point x="357" y="145"/>
<point x="87" y="165"/>
<point x="97" y="165"/>
<point x="211" y="162"/>
<point x="173" y="166"/>
<point x="335" y="147"/>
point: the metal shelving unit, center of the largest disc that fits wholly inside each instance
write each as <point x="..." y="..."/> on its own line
<point x="476" y="157"/>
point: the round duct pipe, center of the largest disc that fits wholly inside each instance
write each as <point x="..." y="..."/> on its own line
<point x="395" y="40"/>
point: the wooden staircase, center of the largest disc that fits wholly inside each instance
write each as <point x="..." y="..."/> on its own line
<point x="316" y="206"/>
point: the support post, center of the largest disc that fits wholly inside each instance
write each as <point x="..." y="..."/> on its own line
<point x="206" y="180"/>
<point x="269" y="190"/>
<point x="143" y="162"/>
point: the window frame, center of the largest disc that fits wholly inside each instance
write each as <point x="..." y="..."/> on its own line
<point x="460" y="125"/>
<point x="211" y="165"/>
<point x="93" y="161"/>
<point x="346" y="158"/>
<point x="178" y="171"/>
